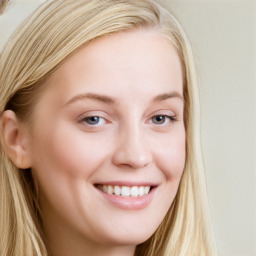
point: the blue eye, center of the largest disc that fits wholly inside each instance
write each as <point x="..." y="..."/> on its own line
<point x="162" y="119"/>
<point x="94" y="120"/>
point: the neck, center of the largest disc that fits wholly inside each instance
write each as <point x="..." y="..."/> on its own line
<point x="61" y="250"/>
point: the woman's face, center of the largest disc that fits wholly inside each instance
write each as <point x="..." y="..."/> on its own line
<point x="110" y="121"/>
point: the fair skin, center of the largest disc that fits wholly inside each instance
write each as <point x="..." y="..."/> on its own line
<point x="111" y="115"/>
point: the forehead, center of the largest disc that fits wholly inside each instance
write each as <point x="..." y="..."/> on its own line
<point x="142" y="60"/>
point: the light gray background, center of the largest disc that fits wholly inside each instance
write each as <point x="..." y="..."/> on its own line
<point x="222" y="34"/>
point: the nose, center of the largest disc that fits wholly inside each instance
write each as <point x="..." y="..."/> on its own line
<point x="132" y="149"/>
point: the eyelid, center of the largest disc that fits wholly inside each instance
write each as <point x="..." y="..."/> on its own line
<point x="93" y="113"/>
<point x="100" y="119"/>
<point x="162" y="112"/>
<point x="167" y="117"/>
<point x="170" y="118"/>
<point x="100" y="114"/>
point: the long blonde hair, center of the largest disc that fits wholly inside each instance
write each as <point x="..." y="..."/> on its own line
<point x="55" y="31"/>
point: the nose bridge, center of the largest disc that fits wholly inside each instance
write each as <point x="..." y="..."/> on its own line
<point x="132" y="147"/>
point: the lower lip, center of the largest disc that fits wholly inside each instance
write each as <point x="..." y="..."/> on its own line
<point x="129" y="202"/>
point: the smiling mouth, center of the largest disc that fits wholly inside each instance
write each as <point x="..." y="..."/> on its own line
<point x="125" y="191"/>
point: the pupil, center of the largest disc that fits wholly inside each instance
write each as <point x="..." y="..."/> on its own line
<point x="159" y="119"/>
<point x="92" y="120"/>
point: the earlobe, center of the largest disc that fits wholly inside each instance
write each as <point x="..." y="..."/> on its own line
<point x="15" y="140"/>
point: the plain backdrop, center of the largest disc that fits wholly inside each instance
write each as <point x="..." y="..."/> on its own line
<point x="223" y="36"/>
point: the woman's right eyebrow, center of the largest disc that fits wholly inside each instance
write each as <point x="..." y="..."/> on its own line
<point x="92" y="96"/>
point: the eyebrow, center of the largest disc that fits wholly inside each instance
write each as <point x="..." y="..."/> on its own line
<point x="109" y="100"/>
<point x="166" y="96"/>
<point x="92" y="96"/>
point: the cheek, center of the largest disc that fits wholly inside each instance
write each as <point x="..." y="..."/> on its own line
<point x="171" y="156"/>
<point x="70" y="152"/>
<point x="64" y="160"/>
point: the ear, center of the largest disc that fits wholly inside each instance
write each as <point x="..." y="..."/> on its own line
<point x="15" y="139"/>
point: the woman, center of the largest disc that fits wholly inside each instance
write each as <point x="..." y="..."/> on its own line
<point x="100" y="134"/>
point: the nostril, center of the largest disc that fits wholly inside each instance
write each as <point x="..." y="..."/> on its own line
<point x="132" y="148"/>
<point x="134" y="160"/>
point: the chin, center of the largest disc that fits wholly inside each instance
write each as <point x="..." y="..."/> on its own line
<point x="129" y="236"/>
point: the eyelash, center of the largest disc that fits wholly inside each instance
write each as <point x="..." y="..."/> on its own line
<point x="172" y="119"/>
<point x="88" y="119"/>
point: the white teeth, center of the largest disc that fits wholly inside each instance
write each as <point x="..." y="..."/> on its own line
<point x="141" y="191"/>
<point x="105" y="188"/>
<point x="117" y="190"/>
<point x="147" y="190"/>
<point x="134" y="191"/>
<point x="110" y="190"/>
<point x="125" y="190"/>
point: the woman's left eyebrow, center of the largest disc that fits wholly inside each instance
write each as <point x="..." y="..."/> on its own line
<point x="165" y="96"/>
